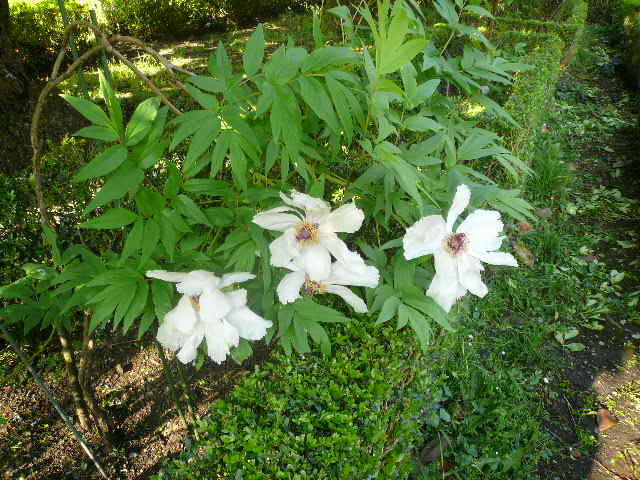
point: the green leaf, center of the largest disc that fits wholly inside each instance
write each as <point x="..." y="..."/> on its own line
<point x="98" y="132"/>
<point x="173" y="183"/>
<point x="147" y="320"/>
<point x="324" y="57"/>
<point x="52" y="239"/>
<point x="208" y="101"/>
<point x="133" y="242"/>
<point x="113" y="104"/>
<point x="189" y="209"/>
<point x="420" y="326"/>
<point x="416" y="298"/>
<point x="104" y="163"/>
<point x="419" y="123"/>
<point x="319" y="335"/>
<point x="209" y="84"/>
<point x="300" y="340"/>
<point x="241" y="352"/>
<point x="406" y="53"/>
<point x="125" y="180"/>
<point x="141" y="120"/>
<point x="89" y="110"/>
<point x="238" y="163"/>
<point x="149" y="202"/>
<point x="389" y="309"/>
<point x="219" y="216"/>
<point x="479" y="10"/>
<point x="315" y="95"/>
<point x="309" y="310"/>
<point x="254" y="53"/>
<point x="403" y="316"/>
<point x="200" y="143"/>
<point x="112" y="218"/>
<point x="137" y="306"/>
<point x="190" y="122"/>
<point x="207" y="186"/>
<point x="123" y="303"/>
<point x="162" y="294"/>
<point x="151" y="239"/>
<point x="152" y="153"/>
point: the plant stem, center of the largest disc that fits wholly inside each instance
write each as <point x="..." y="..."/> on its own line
<point x="187" y="397"/>
<point x="56" y="405"/>
<point x="170" y="379"/>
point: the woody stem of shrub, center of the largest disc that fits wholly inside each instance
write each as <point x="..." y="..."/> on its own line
<point x="82" y="397"/>
<point x="52" y="400"/>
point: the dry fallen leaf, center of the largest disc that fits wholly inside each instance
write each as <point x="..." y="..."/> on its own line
<point x="524" y="227"/>
<point x="524" y="254"/>
<point x="605" y="420"/>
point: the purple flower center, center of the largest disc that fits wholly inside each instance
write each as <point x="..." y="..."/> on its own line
<point x="456" y="243"/>
<point x="307" y="233"/>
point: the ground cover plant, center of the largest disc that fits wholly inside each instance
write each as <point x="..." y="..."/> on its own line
<point x="451" y="406"/>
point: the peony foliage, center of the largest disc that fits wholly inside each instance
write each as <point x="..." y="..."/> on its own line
<point x="307" y="169"/>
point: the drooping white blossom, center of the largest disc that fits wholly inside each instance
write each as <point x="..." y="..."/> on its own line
<point x="205" y="311"/>
<point x="458" y="256"/>
<point x="309" y="238"/>
<point x="354" y="272"/>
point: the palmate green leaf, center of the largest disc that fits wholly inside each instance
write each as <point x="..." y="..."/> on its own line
<point x="420" y="326"/>
<point x="219" y="153"/>
<point x="162" y="295"/>
<point x="142" y="120"/>
<point x="173" y="183"/>
<point x="189" y="122"/>
<point x="124" y="304"/>
<point x="300" y="340"/>
<point x="149" y="202"/>
<point x="219" y="216"/>
<point x="284" y="64"/>
<point x="208" y="101"/>
<point x="89" y="110"/>
<point x="125" y="180"/>
<point x="341" y="104"/>
<point x="112" y="218"/>
<point x="98" y="132"/>
<point x="309" y="310"/>
<point x="168" y="235"/>
<point x="51" y="238"/>
<point x="420" y="123"/>
<point x="286" y="119"/>
<point x="315" y="95"/>
<point x="479" y="10"/>
<point x="413" y="296"/>
<point x="254" y="53"/>
<point x="208" y="84"/>
<point x="113" y="294"/>
<point x="104" y="163"/>
<point x="151" y="153"/>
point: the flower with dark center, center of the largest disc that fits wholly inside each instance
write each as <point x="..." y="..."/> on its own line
<point x="458" y="255"/>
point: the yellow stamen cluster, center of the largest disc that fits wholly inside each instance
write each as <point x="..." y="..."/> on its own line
<point x="195" y="302"/>
<point x="456" y="243"/>
<point x="313" y="288"/>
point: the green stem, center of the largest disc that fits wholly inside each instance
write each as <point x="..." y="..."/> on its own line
<point x="169" y="375"/>
<point x="187" y="397"/>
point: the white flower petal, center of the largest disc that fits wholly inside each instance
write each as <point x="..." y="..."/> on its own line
<point x="283" y="250"/>
<point x="348" y="219"/>
<point x="315" y="260"/>
<point x="197" y="282"/>
<point x="497" y="258"/>
<point x="213" y="306"/>
<point x="189" y="350"/>
<point x="167" y="276"/>
<point x="469" y="269"/>
<point x="460" y="202"/>
<point x="235" y="277"/>
<point x="276" y="219"/>
<point x="289" y="287"/>
<point x="355" y="273"/>
<point x="445" y="288"/>
<point x="483" y="228"/>
<point x="237" y="298"/>
<point x="305" y="202"/>
<point x="337" y="247"/>
<point x="220" y="338"/>
<point x="248" y="324"/>
<point x="348" y="296"/>
<point x="182" y="318"/>
<point x="424" y="237"/>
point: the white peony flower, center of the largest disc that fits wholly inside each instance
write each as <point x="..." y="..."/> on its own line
<point x="457" y="256"/>
<point x="204" y="311"/>
<point x="354" y="273"/>
<point x="309" y="238"/>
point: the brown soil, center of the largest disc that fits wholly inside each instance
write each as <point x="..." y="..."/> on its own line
<point x="131" y="387"/>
